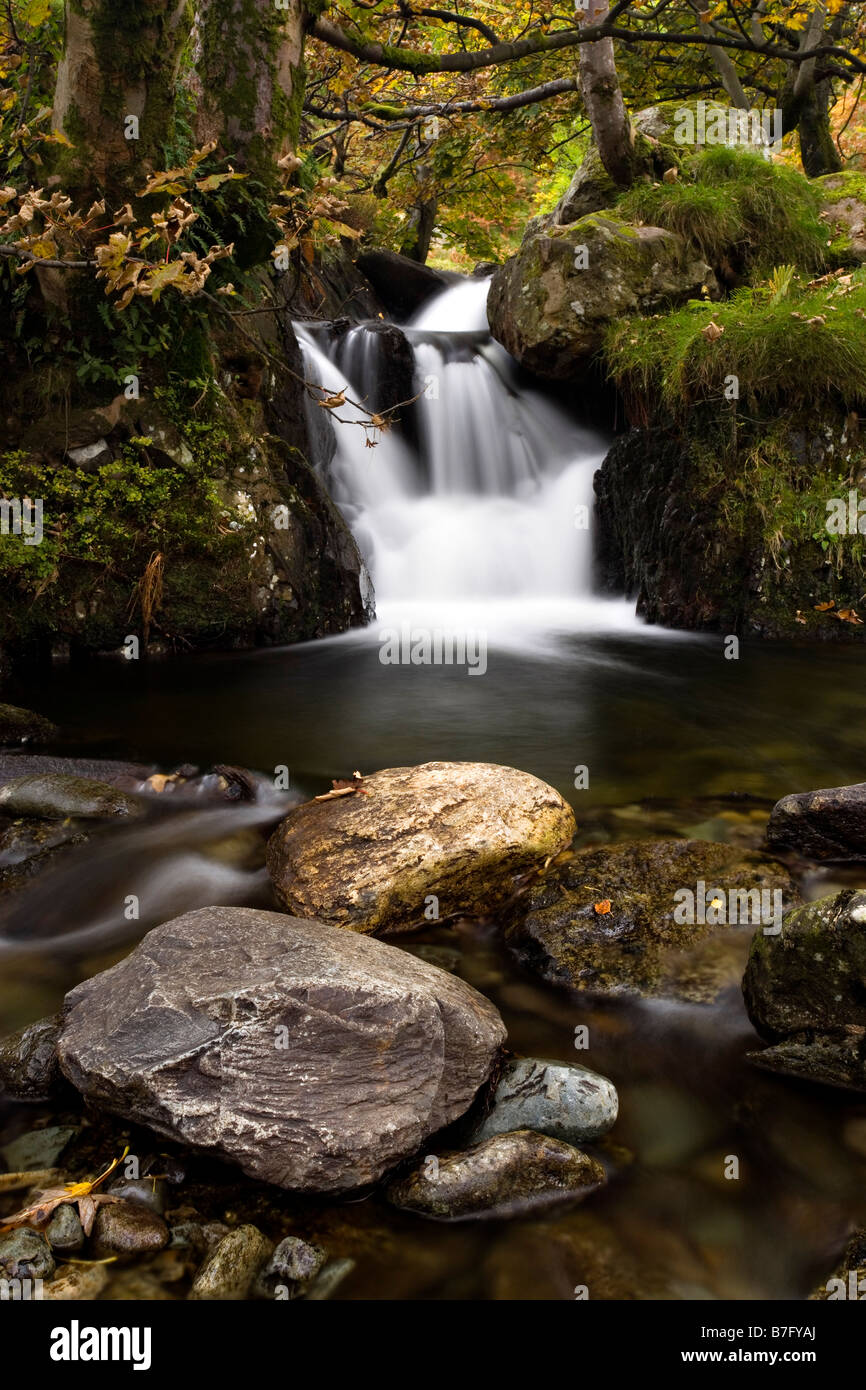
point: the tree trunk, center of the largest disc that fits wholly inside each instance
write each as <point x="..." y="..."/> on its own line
<point x="250" y="77"/>
<point x="420" y="225"/>
<point x="115" y="91"/>
<point x="600" y="89"/>
<point x="818" y="150"/>
<point x="806" y="104"/>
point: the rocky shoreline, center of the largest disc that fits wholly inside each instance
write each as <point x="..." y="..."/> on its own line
<point x="193" y="1121"/>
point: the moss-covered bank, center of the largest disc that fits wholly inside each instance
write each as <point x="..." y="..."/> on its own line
<point x="737" y="502"/>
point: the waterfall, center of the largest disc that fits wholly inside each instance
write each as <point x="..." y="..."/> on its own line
<point x="489" y="502"/>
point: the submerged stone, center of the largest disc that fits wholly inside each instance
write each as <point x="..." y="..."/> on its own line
<point x="506" y="1175"/>
<point x="229" y="1272"/>
<point x="56" y="795"/>
<point x="23" y="726"/>
<point x="564" y="1101"/>
<point x="614" y="918"/>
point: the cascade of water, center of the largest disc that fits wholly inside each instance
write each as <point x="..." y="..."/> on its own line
<point x="496" y="504"/>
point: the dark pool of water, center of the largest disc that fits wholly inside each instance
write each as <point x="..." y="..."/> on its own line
<point x="649" y="717"/>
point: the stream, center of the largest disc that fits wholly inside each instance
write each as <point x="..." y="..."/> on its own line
<point x="477" y="529"/>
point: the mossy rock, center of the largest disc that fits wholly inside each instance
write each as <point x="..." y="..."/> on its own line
<point x="721" y="525"/>
<point x="743" y="213"/>
<point x="844" y="212"/>
<point x="811" y="977"/>
<point x="551" y="304"/>
<point x="659" y="145"/>
<point x="23" y="726"/>
<point x="805" y="992"/>
<point x="591" y="190"/>
<point x="192" y="528"/>
<point x="605" y="920"/>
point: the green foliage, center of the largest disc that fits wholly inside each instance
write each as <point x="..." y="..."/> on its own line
<point x="117" y="515"/>
<point x="735" y="205"/>
<point x="802" y="348"/>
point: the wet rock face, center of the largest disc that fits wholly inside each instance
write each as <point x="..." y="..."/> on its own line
<point x="507" y="1175"/>
<point x="566" y="1102"/>
<point x="551" y="303"/>
<point x="23" y="726"/>
<point x="25" y="1254"/>
<point x="665" y="537"/>
<point x="314" y="1058"/>
<point x="606" y="920"/>
<point x="805" y="992"/>
<point x="56" y="795"/>
<point x="465" y="833"/>
<point x="28" y="1061"/>
<point x="829" y="824"/>
<point x="402" y="285"/>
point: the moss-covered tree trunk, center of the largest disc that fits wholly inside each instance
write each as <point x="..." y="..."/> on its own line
<point x="807" y="99"/>
<point x="250" y="77"/>
<point x="818" y="150"/>
<point x="603" y="99"/>
<point x="115" y="92"/>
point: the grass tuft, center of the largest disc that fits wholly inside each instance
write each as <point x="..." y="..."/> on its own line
<point x="739" y="208"/>
<point x="787" y="343"/>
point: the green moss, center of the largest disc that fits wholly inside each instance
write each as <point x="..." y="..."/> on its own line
<point x="736" y="205"/>
<point x="849" y="183"/>
<point x="806" y="347"/>
<point x="240" y="62"/>
<point x="145" y="48"/>
<point x="102" y="526"/>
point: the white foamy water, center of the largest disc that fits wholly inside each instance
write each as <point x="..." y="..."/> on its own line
<point x="489" y="520"/>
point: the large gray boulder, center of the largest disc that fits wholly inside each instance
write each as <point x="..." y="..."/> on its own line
<point x="462" y="833"/>
<point x="828" y="824"/>
<point x="312" y="1057"/>
<point x="551" y="303"/>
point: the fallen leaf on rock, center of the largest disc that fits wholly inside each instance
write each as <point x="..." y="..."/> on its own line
<point x="342" y="787"/>
<point x="158" y="781"/>
<point x="825" y="607"/>
<point x="848" y="615"/>
<point x="80" y="1194"/>
<point x="601" y="909"/>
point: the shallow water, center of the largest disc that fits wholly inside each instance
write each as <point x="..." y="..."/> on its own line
<point x="650" y="714"/>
